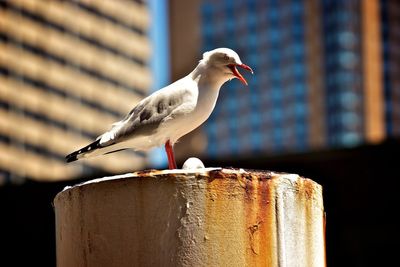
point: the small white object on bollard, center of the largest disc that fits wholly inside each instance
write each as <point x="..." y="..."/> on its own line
<point x="193" y="163"/>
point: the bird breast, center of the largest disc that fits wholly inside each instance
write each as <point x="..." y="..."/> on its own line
<point x="203" y="107"/>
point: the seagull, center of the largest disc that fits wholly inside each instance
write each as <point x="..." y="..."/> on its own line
<point x="171" y="112"/>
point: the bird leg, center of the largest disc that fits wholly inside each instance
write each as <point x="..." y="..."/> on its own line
<point x="170" y="154"/>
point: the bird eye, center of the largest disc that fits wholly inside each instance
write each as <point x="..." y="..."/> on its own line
<point x="226" y="57"/>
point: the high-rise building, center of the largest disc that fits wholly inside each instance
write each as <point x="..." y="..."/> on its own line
<point x="68" y="70"/>
<point x="390" y="47"/>
<point x="185" y="42"/>
<point x="326" y="74"/>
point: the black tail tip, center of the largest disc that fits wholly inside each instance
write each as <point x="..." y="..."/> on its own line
<point x="71" y="157"/>
<point x="74" y="155"/>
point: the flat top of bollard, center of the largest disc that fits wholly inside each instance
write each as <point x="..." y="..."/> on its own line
<point x="147" y="173"/>
<point x="213" y="172"/>
<point x="249" y="180"/>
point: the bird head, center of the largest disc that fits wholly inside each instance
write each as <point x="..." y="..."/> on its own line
<point x="226" y="61"/>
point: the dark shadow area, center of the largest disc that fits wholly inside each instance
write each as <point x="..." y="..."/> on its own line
<point x="27" y="225"/>
<point x="360" y="195"/>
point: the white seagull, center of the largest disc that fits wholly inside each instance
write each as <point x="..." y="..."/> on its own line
<point x="171" y="112"/>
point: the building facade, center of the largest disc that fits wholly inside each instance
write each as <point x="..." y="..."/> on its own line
<point x="68" y="70"/>
<point x="326" y="75"/>
<point x="390" y="32"/>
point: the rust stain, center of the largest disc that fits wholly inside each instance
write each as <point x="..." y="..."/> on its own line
<point x="240" y="213"/>
<point x="241" y="181"/>
<point x="260" y="220"/>
<point x="268" y="238"/>
<point x="308" y="187"/>
<point x="224" y="211"/>
<point x="252" y="220"/>
<point x="212" y="174"/>
<point x="309" y="203"/>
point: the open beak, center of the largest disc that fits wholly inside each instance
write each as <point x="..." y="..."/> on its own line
<point x="237" y="74"/>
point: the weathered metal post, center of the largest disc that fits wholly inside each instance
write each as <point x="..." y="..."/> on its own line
<point x="203" y="217"/>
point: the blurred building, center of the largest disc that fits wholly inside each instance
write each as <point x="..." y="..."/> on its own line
<point x="68" y="70"/>
<point x="185" y="42"/>
<point x="390" y="57"/>
<point x="326" y="74"/>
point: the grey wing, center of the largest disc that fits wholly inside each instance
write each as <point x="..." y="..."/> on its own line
<point x="146" y="117"/>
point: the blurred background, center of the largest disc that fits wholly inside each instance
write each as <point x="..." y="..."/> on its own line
<point x="324" y="102"/>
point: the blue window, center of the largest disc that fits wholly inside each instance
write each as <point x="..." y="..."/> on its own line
<point x="350" y="138"/>
<point x="350" y="119"/>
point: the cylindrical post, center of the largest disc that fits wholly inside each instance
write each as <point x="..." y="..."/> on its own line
<point x="204" y="217"/>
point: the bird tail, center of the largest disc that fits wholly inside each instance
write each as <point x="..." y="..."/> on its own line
<point x="83" y="151"/>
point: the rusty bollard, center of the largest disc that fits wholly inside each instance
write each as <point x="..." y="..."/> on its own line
<point x="202" y="217"/>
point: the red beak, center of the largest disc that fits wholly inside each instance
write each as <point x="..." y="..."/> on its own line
<point x="237" y="74"/>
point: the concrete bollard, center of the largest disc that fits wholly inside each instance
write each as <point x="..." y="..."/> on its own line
<point x="198" y="217"/>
